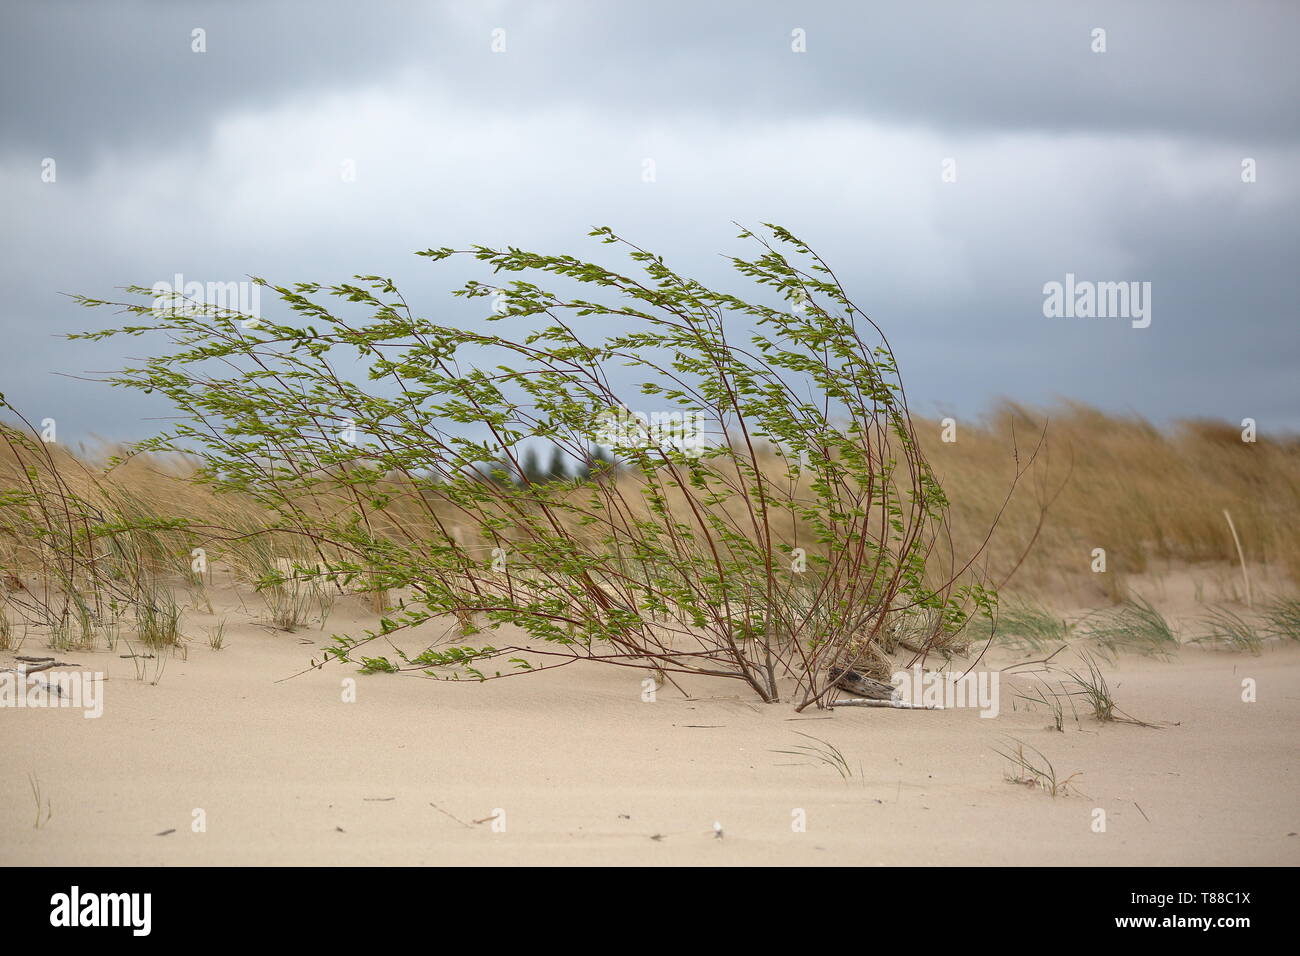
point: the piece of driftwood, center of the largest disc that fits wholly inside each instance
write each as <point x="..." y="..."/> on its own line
<point x="859" y="684"/>
<point x="22" y="670"/>
<point x="872" y="702"/>
<point x="32" y="665"/>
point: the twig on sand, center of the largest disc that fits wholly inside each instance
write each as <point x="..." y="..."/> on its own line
<point x="26" y="668"/>
<point x="867" y="702"/>
<point x="452" y="816"/>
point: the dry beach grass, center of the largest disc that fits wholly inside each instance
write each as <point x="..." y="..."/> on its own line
<point x="584" y="768"/>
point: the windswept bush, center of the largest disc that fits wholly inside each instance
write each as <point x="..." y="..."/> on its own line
<point x="692" y="556"/>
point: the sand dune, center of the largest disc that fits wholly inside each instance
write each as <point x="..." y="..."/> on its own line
<point x="286" y="772"/>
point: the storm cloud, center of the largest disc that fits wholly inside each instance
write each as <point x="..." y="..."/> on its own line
<point x="949" y="159"/>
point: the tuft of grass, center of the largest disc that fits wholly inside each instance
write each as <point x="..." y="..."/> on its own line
<point x="1283" y="617"/>
<point x="1134" y="627"/>
<point x="289" y="604"/>
<point x="1026" y="770"/>
<point x="325" y="598"/>
<point x="217" y="635"/>
<point x="1225" y="628"/>
<point x="142" y="666"/>
<point x="84" y="619"/>
<point x="158" y="618"/>
<point x="823" y="751"/>
<point x="1054" y="702"/>
<point x="71" y="623"/>
<point x="286" y="588"/>
<point x="1094" y="688"/>
<point x="111" y="626"/>
<point x="60" y="628"/>
<point x="1030" y="628"/>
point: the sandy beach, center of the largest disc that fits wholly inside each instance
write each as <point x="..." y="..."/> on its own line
<point x="574" y="767"/>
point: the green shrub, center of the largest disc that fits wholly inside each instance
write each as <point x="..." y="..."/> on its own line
<point x="766" y="549"/>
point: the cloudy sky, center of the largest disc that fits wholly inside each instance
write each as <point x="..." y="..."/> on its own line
<point x="949" y="160"/>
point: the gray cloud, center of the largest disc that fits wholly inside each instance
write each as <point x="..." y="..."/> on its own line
<point x="1115" y="166"/>
<point x="84" y="74"/>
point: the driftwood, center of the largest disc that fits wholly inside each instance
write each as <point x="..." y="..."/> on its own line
<point x="23" y="670"/>
<point x="869" y="692"/>
<point x="860" y="685"/>
<point x="872" y="702"/>
<point x="32" y="665"/>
